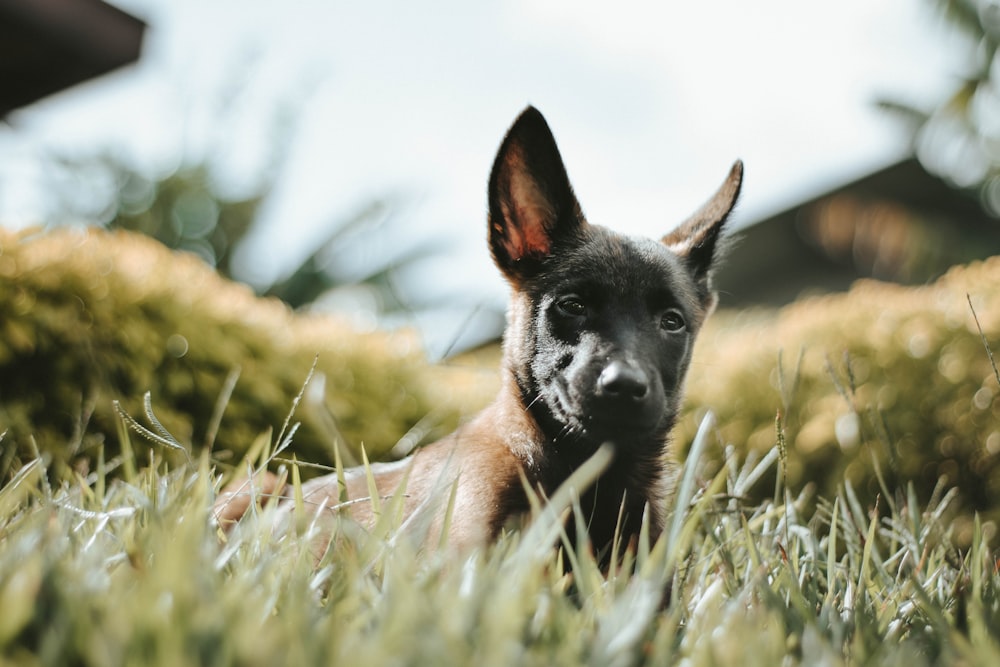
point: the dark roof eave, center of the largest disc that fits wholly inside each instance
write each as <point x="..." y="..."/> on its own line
<point x="49" y="45"/>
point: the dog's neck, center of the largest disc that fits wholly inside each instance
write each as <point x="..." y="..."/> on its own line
<point x="549" y="456"/>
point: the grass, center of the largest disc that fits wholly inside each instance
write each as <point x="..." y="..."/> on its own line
<point x="128" y="569"/>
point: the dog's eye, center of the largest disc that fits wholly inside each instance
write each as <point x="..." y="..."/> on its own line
<point x="571" y="306"/>
<point x="672" y="321"/>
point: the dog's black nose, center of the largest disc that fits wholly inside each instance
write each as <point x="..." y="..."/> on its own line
<point x="620" y="379"/>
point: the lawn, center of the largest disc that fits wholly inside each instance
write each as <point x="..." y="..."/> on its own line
<point x="128" y="569"/>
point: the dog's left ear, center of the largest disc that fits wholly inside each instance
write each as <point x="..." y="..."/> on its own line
<point x="532" y="206"/>
<point x="696" y="240"/>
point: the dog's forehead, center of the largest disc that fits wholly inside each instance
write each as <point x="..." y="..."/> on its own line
<point x="622" y="264"/>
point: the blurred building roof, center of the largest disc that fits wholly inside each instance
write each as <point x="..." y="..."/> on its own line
<point x="49" y="45"/>
<point x="899" y="224"/>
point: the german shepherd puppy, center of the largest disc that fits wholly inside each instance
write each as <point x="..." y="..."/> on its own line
<point x="599" y="337"/>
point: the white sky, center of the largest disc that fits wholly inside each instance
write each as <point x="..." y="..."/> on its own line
<point x="650" y="102"/>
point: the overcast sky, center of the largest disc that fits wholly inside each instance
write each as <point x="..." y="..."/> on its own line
<point x="650" y="103"/>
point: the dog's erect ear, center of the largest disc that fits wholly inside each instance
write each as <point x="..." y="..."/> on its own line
<point x="532" y="206"/>
<point x="696" y="240"/>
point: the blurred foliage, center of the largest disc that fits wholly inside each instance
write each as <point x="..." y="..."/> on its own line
<point x="232" y="148"/>
<point x="183" y="212"/>
<point x="187" y="210"/>
<point x="91" y="317"/>
<point x="334" y="264"/>
<point x="959" y="138"/>
<point x="882" y="378"/>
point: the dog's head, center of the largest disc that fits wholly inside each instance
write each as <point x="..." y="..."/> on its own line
<point x="601" y="325"/>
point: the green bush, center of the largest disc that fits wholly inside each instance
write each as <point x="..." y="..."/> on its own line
<point x="91" y="317"/>
<point x="882" y="378"/>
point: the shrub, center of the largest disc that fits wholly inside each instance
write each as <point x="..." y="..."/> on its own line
<point x="883" y="379"/>
<point x="91" y="317"/>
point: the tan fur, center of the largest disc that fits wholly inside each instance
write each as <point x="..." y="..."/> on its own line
<point x="474" y="458"/>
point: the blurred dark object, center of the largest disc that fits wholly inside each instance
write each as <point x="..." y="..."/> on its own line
<point x="49" y="45"/>
<point x="899" y="224"/>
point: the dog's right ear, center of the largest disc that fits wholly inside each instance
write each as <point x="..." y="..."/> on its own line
<point x="532" y="206"/>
